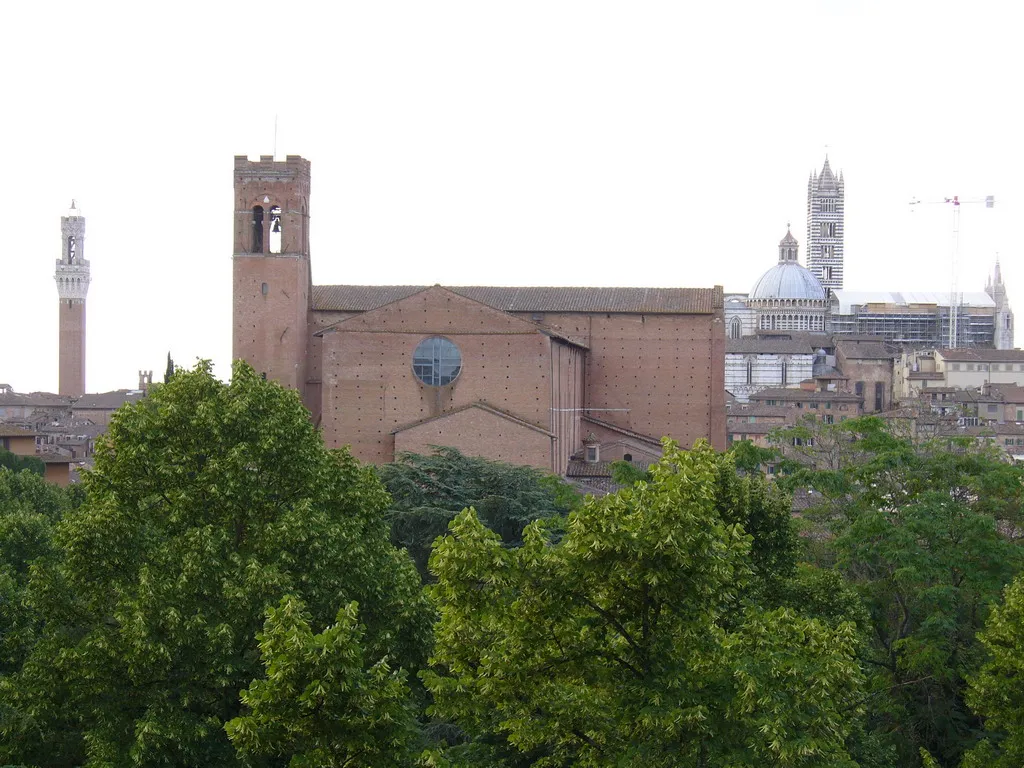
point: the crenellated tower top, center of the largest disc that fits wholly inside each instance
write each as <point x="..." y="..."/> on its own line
<point x="72" y="274"/>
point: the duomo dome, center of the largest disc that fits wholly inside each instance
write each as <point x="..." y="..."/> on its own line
<point x="788" y="297"/>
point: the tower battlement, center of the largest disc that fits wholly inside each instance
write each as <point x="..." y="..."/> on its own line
<point x="271" y="170"/>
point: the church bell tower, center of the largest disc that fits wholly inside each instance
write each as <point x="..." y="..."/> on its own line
<point x="272" y="280"/>
<point x="72" y="278"/>
<point x="826" y="214"/>
<point x="1002" y="336"/>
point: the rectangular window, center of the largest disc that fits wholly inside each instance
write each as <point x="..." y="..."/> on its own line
<point x="814" y="406"/>
<point x="1008" y="441"/>
<point x="858" y="389"/>
<point x="1020" y="414"/>
<point x="879" y="392"/>
<point x="829" y="419"/>
<point x="828" y="406"/>
<point x="993" y="408"/>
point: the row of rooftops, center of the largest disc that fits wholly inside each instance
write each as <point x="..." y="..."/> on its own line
<point x="98" y="401"/>
<point x="855" y="347"/>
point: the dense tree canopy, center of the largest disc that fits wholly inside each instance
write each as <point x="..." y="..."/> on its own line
<point x="625" y="642"/>
<point x="208" y="505"/>
<point x="427" y="491"/>
<point x="924" y="532"/>
<point x="17" y="463"/>
<point x="995" y="691"/>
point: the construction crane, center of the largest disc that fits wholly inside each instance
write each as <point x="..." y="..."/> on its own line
<point x="955" y="202"/>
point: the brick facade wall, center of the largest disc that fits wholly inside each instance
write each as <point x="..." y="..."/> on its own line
<point x="666" y="369"/>
<point x="369" y="389"/>
<point x="71" y="319"/>
<point x="481" y="432"/>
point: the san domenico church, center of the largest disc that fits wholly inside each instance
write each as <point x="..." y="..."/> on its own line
<point x="569" y="379"/>
<point x="554" y="378"/>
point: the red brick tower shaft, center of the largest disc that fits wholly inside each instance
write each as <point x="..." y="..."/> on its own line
<point x="72" y="278"/>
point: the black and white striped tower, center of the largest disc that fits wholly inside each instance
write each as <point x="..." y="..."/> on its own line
<point x="826" y="207"/>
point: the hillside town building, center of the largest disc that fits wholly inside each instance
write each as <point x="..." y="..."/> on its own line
<point x="790" y="297"/>
<point x="525" y="375"/>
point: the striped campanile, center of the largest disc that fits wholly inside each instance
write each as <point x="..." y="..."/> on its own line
<point x="826" y="206"/>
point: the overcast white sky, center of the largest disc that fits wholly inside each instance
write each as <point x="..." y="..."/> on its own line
<point x="513" y="143"/>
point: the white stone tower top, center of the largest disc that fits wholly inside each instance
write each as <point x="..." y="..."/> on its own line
<point x="72" y="275"/>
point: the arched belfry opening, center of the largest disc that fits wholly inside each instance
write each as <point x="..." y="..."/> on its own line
<point x="275" y="229"/>
<point x="257" y="229"/>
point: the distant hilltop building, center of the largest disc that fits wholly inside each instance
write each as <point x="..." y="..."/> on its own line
<point x="565" y="379"/>
<point x="72" y="278"/>
<point x="791" y="298"/>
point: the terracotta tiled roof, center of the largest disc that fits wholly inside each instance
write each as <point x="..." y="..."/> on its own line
<point x="752" y="345"/>
<point x="1011" y="393"/>
<point x="109" y="400"/>
<point x="6" y="430"/>
<point x="34" y="399"/>
<point x="802" y="395"/>
<point x="973" y="354"/>
<point x="54" y="458"/>
<point x="580" y="468"/>
<point x="699" y="301"/>
<point x="622" y="430"/>
<point x="871" y="350"/>
<point x="739" y="411"/>
<point x="757" y="428"/>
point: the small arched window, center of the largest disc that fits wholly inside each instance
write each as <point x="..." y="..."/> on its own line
<point x="72" y="246"/>
<point x="736" y="328"/>
<point x="257" y="229"/>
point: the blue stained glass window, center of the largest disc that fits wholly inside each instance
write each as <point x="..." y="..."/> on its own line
<point x="436" y="361"/>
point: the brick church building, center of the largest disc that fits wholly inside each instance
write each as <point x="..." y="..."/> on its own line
<point x="533" y="376"/>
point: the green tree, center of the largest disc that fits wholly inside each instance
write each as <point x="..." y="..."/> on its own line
<point x="625" y="641"/>
<point x="16" y="463"/>
<point x="30" y="507"/>
<point x="169" y="370"/>
<point x="995" y="691"/>
<point x="319" y="701"/>
<point x="918" y="531"/>
<point x="208" y="504"/>
<point x="427" y="491"/>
